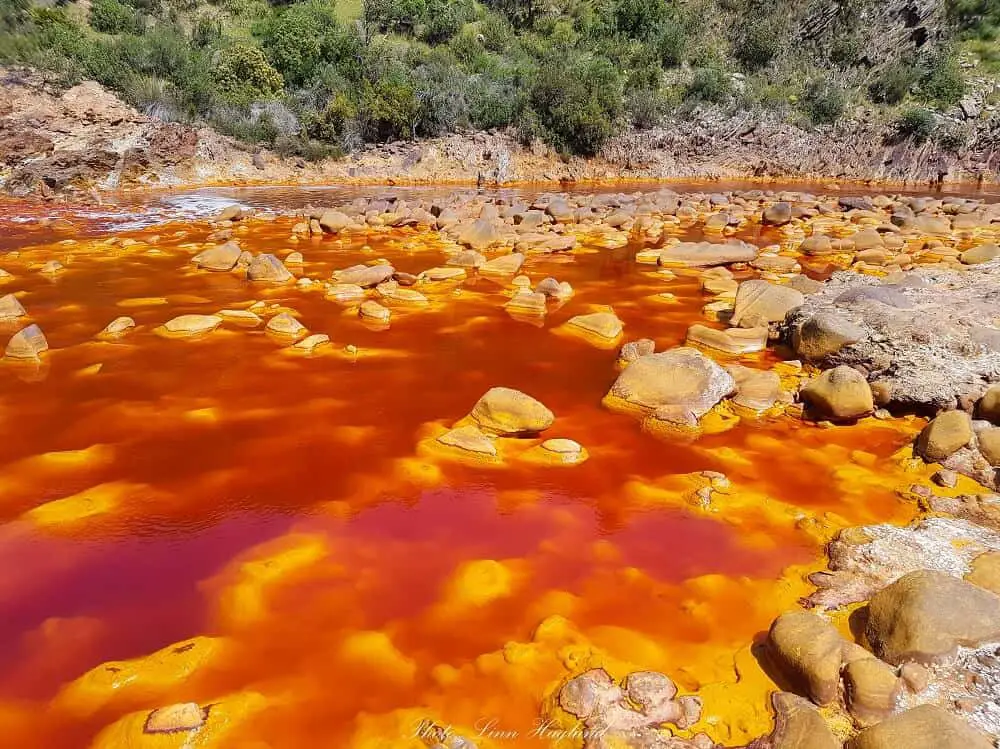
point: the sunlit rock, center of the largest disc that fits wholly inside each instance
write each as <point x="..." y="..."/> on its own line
<point x="565" y="451"/>
<point x="268" y="268"/>
<point x="117" y="328"/>
<point x="694" y="254"/>
<point x="287" y="326"/>
<point x="809" y="652"/>
<point x="756" y="389"/>
<point x="505" y="265"/>
<point x="469" y="439"/>
<point x="838" y="394"/>
<point x="601" y="324"/>
<point x="730" y="341"/>
<point x="923" y="727"/>
<point x="366" y="276"/>
<point x="526" y="302"/>
<point x="52" y="268"/>
<point x="27" y="343"/>
<point x="294" y="258"/>
<point x="190" y="325"/>
<point x="345" y="293"/>
<point x="312" y="342"/>
<point x="223" y="257"/>
<point x="467" y="259"/>
<point x="334" y="222"/>
<point x="759" y="303"/>
<point x="510" y="412"/>
<point x="242" y="317"/>
<point x="445" y="274"/>
<point x="374" y="311"/>
<point x="10" y="308"/>
<point x="184" y="716"/>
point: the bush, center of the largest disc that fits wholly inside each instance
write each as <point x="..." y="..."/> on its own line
<point x="757" y="45"/>
<point x="916" y="123"/>
<point x="669" y="41"/>
<point x="331" y="125"/>
<point x="394" y="15"/>
<point x="637" y="18"/>
<point x="296" y="38"/>
<point x="577" y="101"/>
<point x="389" y="108"/>
<point x="493" y="103"/>
<point x="942" y="83"/>
<point x="242" y="75"/>
<point x="445" y="18"/>
<point x="708" y="84"/>
<point x="893" y="83"/>
<point x="824" y="102"/>
<point x="646" y="107"/>
<point x="114" y="17"/>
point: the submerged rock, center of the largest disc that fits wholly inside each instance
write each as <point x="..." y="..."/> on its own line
<point x="117" y="327"/>
<point x="470" y="439"/>
<point x="268" y="268"/>
<point x="602" y="324"/>
<point x="189" y="325"/>
<point x="366" y="276"/>
<point x="27" y="343"/>
<point x="511" y="413"/>
<point x="10" y="308"/>
<point x="730" y="341"/>
<point x="374" y="311"/>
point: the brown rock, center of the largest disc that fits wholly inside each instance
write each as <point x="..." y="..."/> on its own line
<point x="511" y="413"/>
<point x="944" y="435"/>
<point x="797" y="725"/>
<point x="366" y="276"/>
<point x="730" y="341"/>
<point x="223" y="257"/>
<point x="778" y="214"/>
<point x="872" y="689"/>
<point x="817" y="244"/>
<point x="701" y="254"/>
<point x="981" y="254"/>
<point x="915" y="676"/>
<point x="838" y="394"/>
<point x="756" y="389"/>
<point x="603" y="324"/>
<point x="334" y="222"/>
<point x="680" y="378"/>
<point x="923" y="727"/>
<point x="988" y="407"/>
<point x="374" y="311"/>
<point x="268" y="268"/>
<point x="823" y="334"/>
<point x="926" y="614"/>
<point x="808" y="651"/>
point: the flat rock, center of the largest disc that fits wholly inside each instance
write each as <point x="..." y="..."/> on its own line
<point x="345" y="293"/>
<point x="241" y="317"/>
<point x="602" y="324"/>
<point x="681" y="378"/>
<point x="27" y="343"/>
<point x="925" y="615"/>
<point x="365" y="276"/>
<point x="756" y="389"/>
<point x="506" y="265"/>
<point x="312" y="342"/>
<point x="527" y="303"/>
<point x="182" y="717"/>
<point x="118" y="327"/>
<point x="701" y="254"/>
<point x="730" y="341"/>
<point x="334" y="222"/>
<point x="192" y="324"/>
<point x="923" y="727"/>
<point x="374" y="311"/>
<point x="445" y="274"/>
<point x="467" y="259"/>
<point x="470" y="439"/>
<point x="511" y="413"/>
<point x="981" y="254"/>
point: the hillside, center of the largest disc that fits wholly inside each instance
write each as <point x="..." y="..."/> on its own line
<point x="898" y="89"/>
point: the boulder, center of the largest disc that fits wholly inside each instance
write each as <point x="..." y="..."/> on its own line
<point x="838" y="394"/>
<point x="730" y="341"/>
<point x="823" y="334"/>
<point x="944" y="435"/>
<point x="817" y="245"/>
<point x="602" y="324"/>
<point x="759" y="303"/>
<point x="778" y="214"/>
<point x="268" y="268"/>
<point x="681" y="378"/>
<point x="192" y="324"/>
<point x="872" y="689"/>
<point x="981" y="254"/>
<point x="756" y="389"/>
<point x="797" y="725"/>
<point x="635" y="349"/>
<point x="808" y="651"/>
<point x="925" y="615"/>
<point x="923" y="727"/>
<point x="480" y="234"/>
<point x="10" y="308"/>
<point x="27" y="343"/>
<point x="220" y="258"/>
<point x="703" y="254"/>
<point x="345" y="293"/>
<point x="334" y="222"/>
<point x="988" y="441"/>
<point x="231" y="213"/>
<point x="988" y="406"/>
<point x="511" y="413"/>
<point x="365" y="276"/>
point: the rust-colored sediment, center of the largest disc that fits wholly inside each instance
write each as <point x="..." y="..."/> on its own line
<point x="224" y="522"/>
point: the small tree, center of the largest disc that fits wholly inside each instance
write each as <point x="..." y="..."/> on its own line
<point x="243" y="75"/>
<point x="114" y="17"/>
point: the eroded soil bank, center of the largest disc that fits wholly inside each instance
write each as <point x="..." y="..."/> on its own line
<point x="446" y="470"/>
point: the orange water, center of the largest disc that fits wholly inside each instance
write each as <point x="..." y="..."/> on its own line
<point x="233" y="450"/>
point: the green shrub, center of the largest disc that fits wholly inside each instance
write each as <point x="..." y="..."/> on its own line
<point x="493" y="103"/>
<point x="638" y="18"/>
<point x="331" y="124"/>
<point x="916" y="123"/>
<point x="757" y="44"/>
<point x="708" y="84"/>
<point x="297" y="38"/>
<point x="389" y="108"/>
<point x="578" y="101"/>
<point x="893" y="83"/>
<point x="646" y="107"/>
<point x="445" y="18"/>
<point x="942" y="83"/>
<point x="394" y="15"/>
<point x="114" y="17"/>
<point x="824" y="102"/>
<point x="669" y="41"/>
<point x="243" y="74"/>
<point x="206" y="31"/>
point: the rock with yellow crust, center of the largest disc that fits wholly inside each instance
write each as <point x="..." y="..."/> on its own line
<point x="509" y="413"/>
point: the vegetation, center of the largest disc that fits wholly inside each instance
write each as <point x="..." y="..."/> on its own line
<point x="320" y="77"/>
<point x="916" y="123"/>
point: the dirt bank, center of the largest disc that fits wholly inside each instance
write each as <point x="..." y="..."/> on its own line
<point x="83" y="139"/>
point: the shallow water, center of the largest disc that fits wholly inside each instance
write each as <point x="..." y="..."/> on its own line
<point x="358" y="581"/>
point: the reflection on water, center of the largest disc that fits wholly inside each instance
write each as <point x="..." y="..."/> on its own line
<point x="280" y="503"/>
